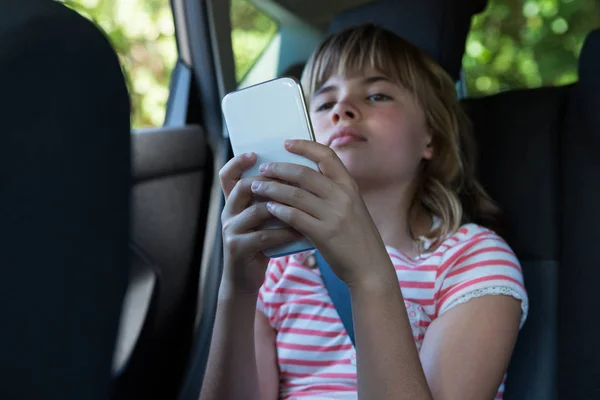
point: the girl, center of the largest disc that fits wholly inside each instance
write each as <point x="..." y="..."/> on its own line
<point x="437" y="300"/>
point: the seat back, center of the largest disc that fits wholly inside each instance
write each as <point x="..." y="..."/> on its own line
<point x="64" y="203"/>
<point x="171" y="171"/>
<point x="518" y="135"/>
<point x="540" y="161"/>
<point x="579" y="349"/>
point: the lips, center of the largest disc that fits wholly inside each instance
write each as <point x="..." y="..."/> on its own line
<point x="345" y="136"/>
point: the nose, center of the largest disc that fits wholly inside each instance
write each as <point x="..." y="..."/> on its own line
<point x="344" y="111"/>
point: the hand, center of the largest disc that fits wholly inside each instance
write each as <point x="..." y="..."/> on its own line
<point x="328" y="209"/>
<point x="243" y="240"/>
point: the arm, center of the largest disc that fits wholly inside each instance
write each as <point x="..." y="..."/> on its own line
<point x="243" y="358"/>
<point x="466" y="350"/>
<point x="232" y="372"/>
<point x="387" y="359"/>
<point x="466" y="360"/>
<point x="266" y="357"/>
<point x="460" y="359"/>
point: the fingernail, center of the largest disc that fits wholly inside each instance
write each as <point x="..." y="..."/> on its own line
<point x="255" y="185"/>
<point x="287" y="144"/>
<point x="263" y="167"/>
<point x="249" y="155"/>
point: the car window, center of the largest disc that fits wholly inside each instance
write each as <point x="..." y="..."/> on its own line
<point x="251" y="32"/>
<point x="526" y="44"/>
<point x="143" y="35"/>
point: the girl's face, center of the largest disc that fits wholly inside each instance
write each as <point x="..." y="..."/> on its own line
<point x="374" y="125"/>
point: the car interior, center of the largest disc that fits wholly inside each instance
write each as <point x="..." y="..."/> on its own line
<point x="111" y="236"/>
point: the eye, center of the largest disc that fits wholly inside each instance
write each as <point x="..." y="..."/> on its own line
<point x="325" y="106"/>
<point x="378" y="97"/>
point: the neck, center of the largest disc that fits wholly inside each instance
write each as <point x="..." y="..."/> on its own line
<point x="389" y="207"/>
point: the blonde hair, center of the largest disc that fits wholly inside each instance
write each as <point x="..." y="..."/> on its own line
<point x="447" y="187"/>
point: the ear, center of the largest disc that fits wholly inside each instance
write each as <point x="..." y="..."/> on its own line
<point x="428" y="151"/>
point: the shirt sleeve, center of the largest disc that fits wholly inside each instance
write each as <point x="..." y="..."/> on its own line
<point x="483" y="265"/>
<point x="269" y="300"/>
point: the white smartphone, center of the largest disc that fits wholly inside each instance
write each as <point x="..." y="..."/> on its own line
<point x="259" y="119"/>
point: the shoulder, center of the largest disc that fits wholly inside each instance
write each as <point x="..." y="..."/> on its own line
<point x="475" y="262"/>
<point x="470" y="234"/>
<point x="474" y="242"/>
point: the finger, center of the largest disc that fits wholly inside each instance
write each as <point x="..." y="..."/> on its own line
<point x="232" y="171"/>
<point x="249" y="219"/>
<point x="299" y="175"/>
<point x="241" y="196"/>
<point x="299" y="220"/>
<point x="254" y="242"/>
<point x="291" y="196"/>
<point x="329" y="163"/>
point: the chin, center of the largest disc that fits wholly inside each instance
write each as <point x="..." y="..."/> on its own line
<point x="359" y="170"/>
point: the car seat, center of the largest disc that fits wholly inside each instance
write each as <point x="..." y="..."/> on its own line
<point x="579" y="275"/>
<point x="64" y="203"/>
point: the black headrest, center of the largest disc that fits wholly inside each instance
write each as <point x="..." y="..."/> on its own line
<point x="589" y="60"/>
<point x="588" y="88"/>
<point x="58" y="65"/>
<point x="439" y="27"/>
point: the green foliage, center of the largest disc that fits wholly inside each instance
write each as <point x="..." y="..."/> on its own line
<point x="143" y="34"/>
<point x="527" y="43"/>
<point x="251" y="32"/>
<point x="513" y="44"/>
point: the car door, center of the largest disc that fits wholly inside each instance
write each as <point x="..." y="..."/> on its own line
<point x="176" y="201"/>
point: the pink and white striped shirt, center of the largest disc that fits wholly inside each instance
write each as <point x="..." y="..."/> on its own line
<point x="315" y="355"/>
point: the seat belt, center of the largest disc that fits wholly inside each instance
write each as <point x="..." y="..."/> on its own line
<point x="339" y="293"/>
